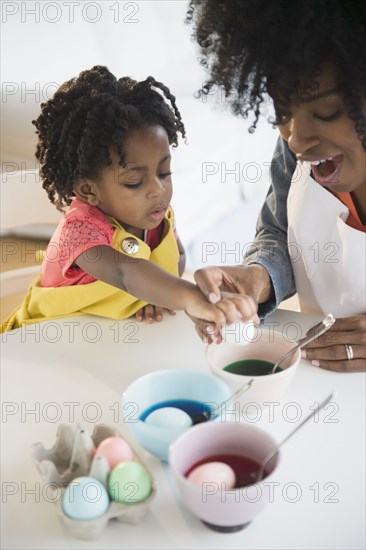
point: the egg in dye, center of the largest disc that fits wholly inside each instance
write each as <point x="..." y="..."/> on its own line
<point x="213" y="472"/>
<point x="169" y="417"/>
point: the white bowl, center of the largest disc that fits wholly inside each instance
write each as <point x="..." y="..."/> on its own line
<point x="269" y="345"/>
<point x="164" y="385"/>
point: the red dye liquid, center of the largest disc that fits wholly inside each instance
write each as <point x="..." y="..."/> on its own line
<point x="246" y="469"/>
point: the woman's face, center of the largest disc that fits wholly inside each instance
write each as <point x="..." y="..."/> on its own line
<point x="318" y="130"/>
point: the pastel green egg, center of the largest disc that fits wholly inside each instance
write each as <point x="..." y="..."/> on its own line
<point x="129" y="482"/>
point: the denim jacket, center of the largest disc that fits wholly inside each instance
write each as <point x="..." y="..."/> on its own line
<point x="270" y="245"/>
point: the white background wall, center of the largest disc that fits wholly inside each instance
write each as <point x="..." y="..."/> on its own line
<point x="220" y="176"/>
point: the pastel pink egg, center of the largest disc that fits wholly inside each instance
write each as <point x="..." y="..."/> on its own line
<point x="115" y="450"/>
<point x="214" y="472"/>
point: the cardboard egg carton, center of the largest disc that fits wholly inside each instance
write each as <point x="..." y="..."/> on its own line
<point x="72" y="456"/>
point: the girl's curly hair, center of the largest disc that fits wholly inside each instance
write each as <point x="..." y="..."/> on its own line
<point x="89" y="114"/>
<point x="252" y="46"/>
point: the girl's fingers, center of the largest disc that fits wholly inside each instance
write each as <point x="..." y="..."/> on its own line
<point x="152" y="313"/>
<point x="158" y="313"/>
<point x="238" y="307"/>
<point x="229" y="310"/>
<point x="204" y="329"/>
<point x="245" y="305"/>
<point x="212" y="332"/>
<point x="202" y="334"/>
<point x="171" y="311"/>
<point x="149" y="313"/>
<point x="139" y="315"/>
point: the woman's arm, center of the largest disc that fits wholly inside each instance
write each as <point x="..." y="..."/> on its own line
<point x="270" y="247"/>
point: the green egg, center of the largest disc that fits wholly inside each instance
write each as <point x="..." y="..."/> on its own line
<point x="128" y="483"/>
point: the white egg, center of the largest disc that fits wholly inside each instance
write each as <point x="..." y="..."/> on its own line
<point x="239" y="333"/>
<point x="214" y="472"/>
<point x="169" y="417"/>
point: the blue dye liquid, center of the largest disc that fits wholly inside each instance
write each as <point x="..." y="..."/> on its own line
<point x="192" y="408"/>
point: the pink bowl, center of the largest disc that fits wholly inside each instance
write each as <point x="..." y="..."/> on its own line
<point x="225" y="511"/>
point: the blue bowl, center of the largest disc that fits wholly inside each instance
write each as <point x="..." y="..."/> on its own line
<point x="167" y="385"/>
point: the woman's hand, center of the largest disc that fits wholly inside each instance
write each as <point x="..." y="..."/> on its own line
<point x="329" y="351"/>
<point x="152" y="313"/>
<point x="252" y="280"/>
<point x="233" y="289"/>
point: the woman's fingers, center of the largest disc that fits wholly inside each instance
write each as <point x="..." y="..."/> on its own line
<point x="346" y="324"/>
<point x="349" y="330"/>
<point x="356" y="365"/>
<point x="342" y="348"/>
<point x="209" y="281"/>
<point x="340" y="352"/>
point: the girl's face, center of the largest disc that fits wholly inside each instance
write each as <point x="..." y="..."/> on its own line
<point x="318" y="130"/>
<point x="139" y="194"/>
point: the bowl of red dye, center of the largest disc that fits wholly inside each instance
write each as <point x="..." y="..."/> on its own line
<point x="237" y="364"/>
<point x="215" y="466"/>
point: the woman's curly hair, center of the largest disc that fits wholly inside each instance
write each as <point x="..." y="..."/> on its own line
<point x="89" y="114"/>
<point x="254" y="46"/>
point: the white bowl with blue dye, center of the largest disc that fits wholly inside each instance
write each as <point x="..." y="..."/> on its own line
<point x="161" y="387"/>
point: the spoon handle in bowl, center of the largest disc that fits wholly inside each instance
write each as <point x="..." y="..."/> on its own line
<point x="276" y="449"/>
<point x="217" y="410"/>
<point x="316" y="331"/>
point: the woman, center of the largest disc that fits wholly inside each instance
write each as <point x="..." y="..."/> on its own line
<point x="310" y="58"/>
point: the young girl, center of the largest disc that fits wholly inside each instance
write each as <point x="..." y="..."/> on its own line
<point x="104" y="151"/>
<point x="310" y="57"/>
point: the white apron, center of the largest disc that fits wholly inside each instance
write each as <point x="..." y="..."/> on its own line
<point x="328" y="257"/>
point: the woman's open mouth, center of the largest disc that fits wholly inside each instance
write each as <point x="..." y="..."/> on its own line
<point x="326" y="171"/>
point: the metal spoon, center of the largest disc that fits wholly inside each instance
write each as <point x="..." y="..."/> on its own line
<point x="315" y="332"/>
<point x="259" y="475"/>
<point x="204" y="416"/>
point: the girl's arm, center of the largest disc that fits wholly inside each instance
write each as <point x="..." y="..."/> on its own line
<point x="152" y="284"/>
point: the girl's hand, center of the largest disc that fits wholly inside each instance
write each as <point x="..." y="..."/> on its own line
<point x="209" y="319"/>
<point x="236" y="307"/>
<point x="329" y="351"/>
<point x="152" y="313"/>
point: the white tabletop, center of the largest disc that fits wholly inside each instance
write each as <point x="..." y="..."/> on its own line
<point x="76" y="370"/>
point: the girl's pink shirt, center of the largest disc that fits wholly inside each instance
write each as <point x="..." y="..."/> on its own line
<point x="82" y="227"/>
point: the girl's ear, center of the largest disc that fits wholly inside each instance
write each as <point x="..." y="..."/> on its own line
<point x="87" y="190"/>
